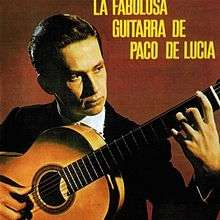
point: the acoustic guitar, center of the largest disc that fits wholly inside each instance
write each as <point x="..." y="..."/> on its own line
<point x="73" y="173"/>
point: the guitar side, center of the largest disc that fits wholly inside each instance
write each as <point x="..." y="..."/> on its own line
<point x="54" y="149"/>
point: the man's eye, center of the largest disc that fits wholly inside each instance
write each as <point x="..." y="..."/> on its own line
<point x="99" y="68"/>
<point x="74" y="77"/>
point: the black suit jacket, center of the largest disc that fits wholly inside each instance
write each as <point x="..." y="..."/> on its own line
<point x="148" y="175"/>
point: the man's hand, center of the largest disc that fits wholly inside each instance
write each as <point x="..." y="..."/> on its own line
<point x="200" y="142"/>
<point x="12" y="201"/>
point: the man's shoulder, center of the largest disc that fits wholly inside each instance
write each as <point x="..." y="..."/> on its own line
<point x="39" y="115"/>
<point x="24" y="124"/>
<point x="115" y="117"/>
<point x="116" y="124"/>
<point x="37" y="107"/>
<point x="30" y="110"/>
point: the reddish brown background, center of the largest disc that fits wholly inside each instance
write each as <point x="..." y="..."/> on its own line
<point x="139" y="90"/>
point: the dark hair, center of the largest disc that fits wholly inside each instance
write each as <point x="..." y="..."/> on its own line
<point x="52" y="34"/>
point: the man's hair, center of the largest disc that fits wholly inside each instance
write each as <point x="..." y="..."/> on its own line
<point x="52" y="34"/>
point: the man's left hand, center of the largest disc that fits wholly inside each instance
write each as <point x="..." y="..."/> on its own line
<point x="200" y="142"/>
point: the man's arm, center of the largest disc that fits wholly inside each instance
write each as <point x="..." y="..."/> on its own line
<point x="8" y="131"/>
<point x="201" y="199"/>
<point x="13" y="201"/>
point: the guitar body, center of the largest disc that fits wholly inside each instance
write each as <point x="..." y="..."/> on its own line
<point x="54" y="149"/>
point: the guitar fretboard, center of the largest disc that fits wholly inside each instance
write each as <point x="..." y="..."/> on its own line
<point x="111" y="156"/>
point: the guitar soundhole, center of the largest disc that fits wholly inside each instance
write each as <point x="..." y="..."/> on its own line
<point x="50" y="190"/>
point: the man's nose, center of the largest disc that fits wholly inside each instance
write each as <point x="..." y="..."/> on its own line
<point x="89" y="85"/>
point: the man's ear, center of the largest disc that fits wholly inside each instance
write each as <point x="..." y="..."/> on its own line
<point x="45" y="84"/>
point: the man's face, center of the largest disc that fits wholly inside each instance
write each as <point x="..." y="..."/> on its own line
<point x="84" y="92"/>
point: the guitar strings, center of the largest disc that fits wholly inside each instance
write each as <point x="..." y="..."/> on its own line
<point x="37" y="207"/>
<point x="55" y="178"/>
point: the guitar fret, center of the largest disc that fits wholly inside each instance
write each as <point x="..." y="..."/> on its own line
<point x="95" y="164"/>
<point x="92" y="166"/>
<point x="115" y="161"/>
<point x="131" y="142"/>
<point x="154" y="132"/>
<point x="104" y="159"/>
<point x="86" y="169"/>
<point x="74" y="170"/>
<point x="118" y="148"/>
<point x="70" y="176"/>
<point x="129" y="150"/>
<point x="143" y="135"/>
<point x="67" y="180"/>
<point x="101" y="162"/>
<point x="139" y="137"/>
<point x="215" y="95"/>
<point x="98" y="163"/>
<point x="108" y="155"/>
<point x="164" y="125"/>
<point x="81" y="172"/>
<point x="134" y="139"/>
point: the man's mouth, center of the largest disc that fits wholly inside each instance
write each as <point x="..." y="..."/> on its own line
<point x="91" y="101"/>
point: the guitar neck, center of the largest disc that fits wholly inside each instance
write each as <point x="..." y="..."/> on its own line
<point x="160" y="126"/>
<point x="111" y="156"/>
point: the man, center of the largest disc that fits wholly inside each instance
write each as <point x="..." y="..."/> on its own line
<point x="67" y="55"/>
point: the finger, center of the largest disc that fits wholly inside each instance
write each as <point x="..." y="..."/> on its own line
<point x="189" y="131"/>
<point x="183" y="120"/>
<point x="181" y="140"/>
<point x="178" y="137"/>
<point x="18" y="193"/>
<point x="12" y="203"/>
<point x="184" y="144"/>
<point x="20" y="190"/>
<point x="180" y="117"/>
<point x="15" y="197"/>
<point x="195" y="117"/>
<point x="206" y="107"/>
<point x="8" y="213"/>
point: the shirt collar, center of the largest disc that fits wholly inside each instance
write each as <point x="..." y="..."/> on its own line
<point x="95" y="121"/>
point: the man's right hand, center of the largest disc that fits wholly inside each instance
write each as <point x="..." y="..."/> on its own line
<point x="12" y="201"/>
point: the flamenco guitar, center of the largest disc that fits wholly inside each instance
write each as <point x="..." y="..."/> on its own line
<point x="73" y="172"/>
